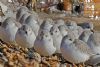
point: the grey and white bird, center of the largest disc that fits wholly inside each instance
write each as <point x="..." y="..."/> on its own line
<point x="44" y="44"/>
<point x="23" y="18"/>
<point x="87" y="25"/>
<point x="71" y="25"/>
<point x="75" y="51"/>
<point x="57" y="37"/>
<point x="85" y="35"/>
<point x="94" y="42"/>
<point x="33" y="24"/>
<point x="22" y="10"/>
<point x="94" y="61"/>
<point x="8" y="30"/>
<point x="92" y="39"/>
<point x="47" y="24"/>
<point x="25" y="37"/>
<point x="64" y="30"/>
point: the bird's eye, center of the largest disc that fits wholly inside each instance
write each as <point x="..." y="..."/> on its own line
<point x="88" y="27"/>
<point x="56" y="31"/>
<point x="26" y="32"/>
<point x="51" y="33"/>
<point x="70" y="39"/>
<point x="0" y="23"/>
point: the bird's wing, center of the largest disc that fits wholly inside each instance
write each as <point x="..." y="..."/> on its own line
<point x="83" y="47"/>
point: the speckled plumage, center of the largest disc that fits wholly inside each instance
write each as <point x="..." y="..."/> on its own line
<point x="8" y="30"/>
<point x="44" y="44"/>
<point x="75" y="51"/>
<point x="57" y="37"/>
<point x="33" y="24"/>
<point x="94" y="42"/>
<point x="22" y="10"/>
<point x="25" y="37"/>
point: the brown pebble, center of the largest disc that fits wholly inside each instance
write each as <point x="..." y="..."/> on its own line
<point x="11" y="63"/>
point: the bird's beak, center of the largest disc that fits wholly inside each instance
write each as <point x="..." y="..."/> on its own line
<point x="0" y="23"/>
<point x="26" y="32"/>
<point x="92" y="31"/>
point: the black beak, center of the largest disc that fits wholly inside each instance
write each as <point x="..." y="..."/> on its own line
<point x="92" y="31"/>
<point x="0" y="23"/>
<point x="26" y="32"/>
<point x="51" y="33"/>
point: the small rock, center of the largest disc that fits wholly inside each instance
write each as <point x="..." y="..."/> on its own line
<point x="11" y="63"/>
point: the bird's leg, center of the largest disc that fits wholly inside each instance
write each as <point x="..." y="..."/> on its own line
<point x="74" y="65"/>
<point x="43" y="60"/>
<point x="82" y="65"/>
<point x="58" y="56"/>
